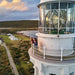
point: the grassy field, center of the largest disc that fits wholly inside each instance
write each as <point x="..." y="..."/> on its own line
<point x="5" y="68"/>
<point x="20" y="24"/>
<point x="19" y="51"/>
<point x="22" y="37"/>
<point x="15" y="26"/>
<point x="14" y="30"/>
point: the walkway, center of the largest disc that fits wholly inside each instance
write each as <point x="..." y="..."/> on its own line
<point x="12" y="64"/>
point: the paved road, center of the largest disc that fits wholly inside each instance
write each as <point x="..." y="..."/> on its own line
<point x="12" y="64"/>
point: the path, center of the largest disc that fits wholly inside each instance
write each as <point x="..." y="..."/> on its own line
<point x="12" y="64"/>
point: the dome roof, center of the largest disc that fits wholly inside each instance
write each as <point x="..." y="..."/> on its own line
<point x="54" y="1"/>
<point x="42" y="1"/>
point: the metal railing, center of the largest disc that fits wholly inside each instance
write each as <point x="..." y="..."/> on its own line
<point x="42" y="52"/>
<point x="54" y="30"/>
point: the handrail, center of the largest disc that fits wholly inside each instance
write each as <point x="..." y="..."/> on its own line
<point x="36" y="47"/>
<point x="42" y="53"/>
<point x="54" y="30"/>
<point x="57" y="27"/>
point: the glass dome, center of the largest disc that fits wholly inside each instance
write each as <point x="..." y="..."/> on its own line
<point x="57" y="18"/>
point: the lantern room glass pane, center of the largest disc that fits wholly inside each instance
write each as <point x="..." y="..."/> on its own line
<point x="63" y="19"/>
<point x="47" y="18"/>
<point x="70" y="18"/>
<point x="41" y="18"/>
<point x="70" y="5"/>
<point x="54" y="20"/>
<point x="47" y="21"/>
<point x="54" y="6"/>
<point x="74" y="17"/>
<point x="47" y="6"/>
<point x="63" y="5"/>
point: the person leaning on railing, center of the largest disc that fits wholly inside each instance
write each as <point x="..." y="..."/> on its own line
<point x="35" y="42"/>
<point x="32" y="41"/>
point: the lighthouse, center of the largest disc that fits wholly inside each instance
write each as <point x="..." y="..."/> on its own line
<point x="55" y="52"/>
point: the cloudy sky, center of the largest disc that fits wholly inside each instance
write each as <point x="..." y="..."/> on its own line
<point x="18" y="10"/>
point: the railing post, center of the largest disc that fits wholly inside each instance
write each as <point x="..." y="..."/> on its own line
<point x="33" y="48"/>
<point x="44" y="48"/>
<point x="61" y="54"/>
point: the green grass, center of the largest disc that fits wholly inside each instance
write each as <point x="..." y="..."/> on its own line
<point x="19" y="36"/>
<point x="6" y="39"/>
<point x="26" y="66"/>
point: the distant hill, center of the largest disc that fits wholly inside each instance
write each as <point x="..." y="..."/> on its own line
<point x="19" y="24"/>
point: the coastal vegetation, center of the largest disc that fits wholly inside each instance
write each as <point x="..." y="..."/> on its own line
<point x="19" y="48"/>
<point x="14" y="26"/>
<point x="19" y="24"/>
<point x="19" y="52"/>
<point x="5" y="68"/>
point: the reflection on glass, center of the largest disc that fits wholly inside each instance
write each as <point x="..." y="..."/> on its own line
<point x="41" y="19"/>
<point x="48" y="6"/>
<point x="55" y="18"/>
<point x="47" y="20"/>
<point x="63" y="19"/>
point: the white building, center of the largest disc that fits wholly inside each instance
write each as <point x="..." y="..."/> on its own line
<point x="27" y="33"/>
<point x="9" y="34"/>
<point x="13" y="37"/>
<point x="55" y="54"/>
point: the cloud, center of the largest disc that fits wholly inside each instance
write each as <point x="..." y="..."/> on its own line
<point x="3" y="11"/>
<point x="18" y="10"/>
<point x="14" y="5"/>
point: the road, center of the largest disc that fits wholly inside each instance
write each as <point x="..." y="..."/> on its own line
<point x="12" y="64"/>
<point x="5" y="28"/>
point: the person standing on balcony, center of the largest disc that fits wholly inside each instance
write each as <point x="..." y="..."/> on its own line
<point x="35" y="42"/>
<point x="32" y="41"/>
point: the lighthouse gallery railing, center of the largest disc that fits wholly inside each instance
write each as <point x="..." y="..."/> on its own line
<point x="42" y="54"/>
<point x="54" y="30"/>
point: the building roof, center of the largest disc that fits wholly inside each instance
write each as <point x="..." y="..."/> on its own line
<point x="54" y="1"/>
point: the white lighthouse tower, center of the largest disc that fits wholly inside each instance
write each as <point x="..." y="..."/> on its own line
<point x="55" y="53"/>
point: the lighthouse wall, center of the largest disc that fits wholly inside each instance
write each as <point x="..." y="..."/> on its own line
<point x="54" y="44"/>
<point x="45" y="68"/>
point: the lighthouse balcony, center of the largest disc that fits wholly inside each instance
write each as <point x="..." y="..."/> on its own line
<point x="46" y="54"/>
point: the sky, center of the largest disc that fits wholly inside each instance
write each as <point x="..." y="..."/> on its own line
<point x="11" y="10"/>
